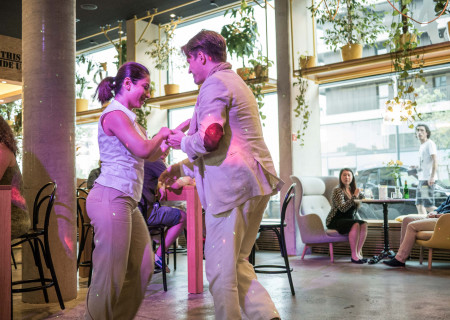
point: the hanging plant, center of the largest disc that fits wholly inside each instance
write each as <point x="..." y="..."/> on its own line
<point x="141" y="115"/>
<point x="301" y="110"/>
<point x="407" y="63"/>
<point x="160" y="50"/>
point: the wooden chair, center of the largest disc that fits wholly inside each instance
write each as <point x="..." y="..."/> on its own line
<point x="440" y="239"/>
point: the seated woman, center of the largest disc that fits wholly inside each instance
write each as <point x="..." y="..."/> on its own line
<point x="10" y="175"/>
<point x="342" y="214"/>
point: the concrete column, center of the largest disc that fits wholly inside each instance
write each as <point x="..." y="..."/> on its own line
<point x="48" y="40"/>
<point x="284" y="89"/>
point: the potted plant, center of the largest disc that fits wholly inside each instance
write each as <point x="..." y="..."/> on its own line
<point x="141" y="115"/>
<point x="161" y="51"/>
<point x="306" y="61"/>
<point x="10" y="110"/>
<point x="81" y="82"/>
<point x="403" y="39"/>
<point x="261" y="65"/>
<point x="241" y="36"/>
<point x="350" y="26"/>
<point x="439" y="7"/>
<point x="152" y="89"/>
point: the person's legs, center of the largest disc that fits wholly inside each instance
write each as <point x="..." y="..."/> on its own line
<point x="175" y="231"/>
<point x="362" y="239"/>
<point x="410" y="236"/>
<point x="110" y="214"/>
<point x="407" y="220"/>
<point x="139" y="270"/>
<point x="232" y="281"/>
<point x="353" y="238"/>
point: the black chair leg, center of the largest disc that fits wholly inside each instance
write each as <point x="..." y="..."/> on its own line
<point x="13" y="259"/>
<point x="163" y="254"/>
<point x="286" y="260"/>
<point x="175" y="255"/>
<point x="38" y="263"/>
<point x="49" y="263"/>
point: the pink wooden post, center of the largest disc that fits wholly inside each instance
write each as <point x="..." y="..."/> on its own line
<point x="5" y="252"/>
<point x="194" y="235"/>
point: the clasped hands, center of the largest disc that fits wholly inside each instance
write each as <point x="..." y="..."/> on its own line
<point x="176" y="135"/>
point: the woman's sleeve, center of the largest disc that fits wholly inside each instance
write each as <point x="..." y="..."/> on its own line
<point x="340" y="202"/>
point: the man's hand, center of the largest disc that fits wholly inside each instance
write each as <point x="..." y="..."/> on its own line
<point x="170" y="175"/>
<point x="431" y="181"/>
<point x="174" y="140"/>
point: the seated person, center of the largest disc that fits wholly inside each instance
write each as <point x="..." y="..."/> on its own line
<point x="410" y="226"/>
<point x="342" y="214"/>
<point x="10" y="175"/>
<point x="93" y="175"/>
<point x="174" y="218"/>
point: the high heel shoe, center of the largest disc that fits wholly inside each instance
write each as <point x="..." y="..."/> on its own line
<point x="359" y="261"/>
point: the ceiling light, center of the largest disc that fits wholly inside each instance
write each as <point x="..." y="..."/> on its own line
<point x="89" y="6"/>
<point x="172" y="15"/>
<point x="3" y="81"/>
<point x="77" y="20"/>
<point x="93" y="42"/>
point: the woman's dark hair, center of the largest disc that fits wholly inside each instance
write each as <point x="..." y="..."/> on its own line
<point x="352" y="184"/>
<point x="133" y="70"/>
<point x="209" y="42"/>
<point x="7" y="136"/>
<point x="426" y="129"/>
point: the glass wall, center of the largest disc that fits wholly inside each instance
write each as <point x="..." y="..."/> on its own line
<point x="354" y="133"/>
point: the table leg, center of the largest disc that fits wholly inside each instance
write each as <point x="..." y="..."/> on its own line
<point x="194" y="241"/>
<point x="387" y="252"/>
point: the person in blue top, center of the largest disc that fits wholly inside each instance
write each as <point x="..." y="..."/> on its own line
<point x="410" y="226"/>
<point x="122" y="258"/>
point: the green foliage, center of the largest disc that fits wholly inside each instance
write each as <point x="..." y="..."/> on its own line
<point x="261" y="65"/>
<point x="302" y="109"/>
<point x="122" y="49"/>
<point x="439" y="6"/>
<point x="141" y="115"/>
<point x="355" y="22"/>
<point x="81" y="82"/>
<point x="159" y="50"/>
<point x="403" y="39"/>
<point x="241" y="35"/>
<point x="13" y="111"/>
<point x="256" y="88"/>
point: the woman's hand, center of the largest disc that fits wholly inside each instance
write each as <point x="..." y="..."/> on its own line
<point x="356" y="193"/>
<point x="165" y="132"/>
<point x="184" y="125"/>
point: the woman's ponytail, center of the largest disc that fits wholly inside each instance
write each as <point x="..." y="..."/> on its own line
<point x="105" y="90"/>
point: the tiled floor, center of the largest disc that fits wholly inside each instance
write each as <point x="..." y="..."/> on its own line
<point x="323" y="291"/>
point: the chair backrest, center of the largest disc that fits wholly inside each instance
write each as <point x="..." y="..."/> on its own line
<point x="313" y="199"/>
<point x="441" y="234"/>
<point x="287" y="198"/>
<point x="81" y="204"/>
<point x="46" y="193"/>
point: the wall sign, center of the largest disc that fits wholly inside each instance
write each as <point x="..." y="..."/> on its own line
<point x="10" y="58"/>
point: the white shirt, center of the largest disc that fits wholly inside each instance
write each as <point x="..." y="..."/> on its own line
<point x="426" y="150"/>
<point x="121" y="170"/>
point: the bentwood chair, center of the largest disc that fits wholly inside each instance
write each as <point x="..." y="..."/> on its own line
<point x="278" y="228"/>
<point x="38" y="240"/>
<point x="86" y="231"/>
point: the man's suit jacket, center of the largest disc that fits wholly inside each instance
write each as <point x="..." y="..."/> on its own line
<point x="241" y="167"/>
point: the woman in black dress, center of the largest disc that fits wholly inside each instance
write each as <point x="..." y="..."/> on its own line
<point x="342" y="214"/>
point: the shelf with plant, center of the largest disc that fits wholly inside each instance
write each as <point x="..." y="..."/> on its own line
<point x="260" y="67"/>
<point x="353" y="23"/>
<point x="407" y="63"/>
<point x="242" y="36"/>
<point x="442" y="7"/>
<point x="163" y="52"/>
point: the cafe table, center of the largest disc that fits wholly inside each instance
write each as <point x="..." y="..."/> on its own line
<point x="194" y="231"/>
<point x="386" y="252"/>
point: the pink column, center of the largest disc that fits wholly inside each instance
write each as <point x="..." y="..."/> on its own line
<point x="48" y="47"/>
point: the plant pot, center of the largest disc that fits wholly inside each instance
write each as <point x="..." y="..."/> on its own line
<point x="406" y="38"/>
<point x="246" y="73"/>
<point x="307" y="62"/>
<point x="351" y="51"/>
<point x="10" y="122"/>
<point x="261" y="71"/>
<point x="448" y="29"/>
<point x="82" y="105"/>
<point x="171" y="89"/>
<point x="152" y="93"/>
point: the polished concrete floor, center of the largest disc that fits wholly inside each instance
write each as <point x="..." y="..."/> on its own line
<point x="341" y="290"/>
